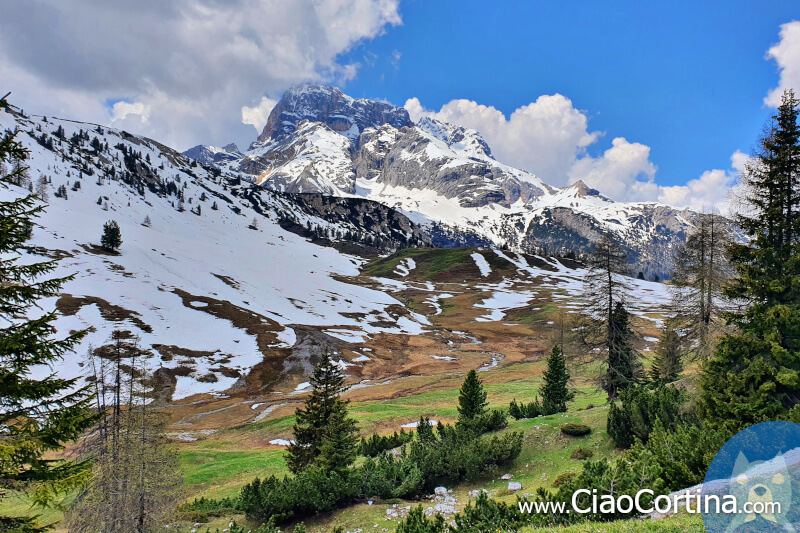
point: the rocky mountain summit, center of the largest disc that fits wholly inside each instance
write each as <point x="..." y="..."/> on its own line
<point x="444" y="178"/>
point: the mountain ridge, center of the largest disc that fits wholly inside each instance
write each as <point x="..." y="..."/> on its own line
<point x="446" y="179"/>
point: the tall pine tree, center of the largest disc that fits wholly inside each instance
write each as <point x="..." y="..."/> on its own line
<point x="754" y="374"/>
<point x="324" y="435"/>
<point x="555" y="393"/>
<point x="37" y="414"/>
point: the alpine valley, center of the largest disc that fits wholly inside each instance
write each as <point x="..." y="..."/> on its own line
<point x="404" y="250"/>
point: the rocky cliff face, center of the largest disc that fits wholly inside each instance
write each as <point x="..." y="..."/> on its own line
<point x="329" y="106"/>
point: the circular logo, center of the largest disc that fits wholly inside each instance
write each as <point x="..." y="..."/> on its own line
<point x="753" y="483"/>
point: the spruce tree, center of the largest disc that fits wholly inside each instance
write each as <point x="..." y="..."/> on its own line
<point x="324" y="435"/>
<point x="37" y="414"/>
<point x="623" y="368"/>
<point x="555" y="393"/>
<point x="471" y="398"/>
<point x="668" y="363"/>
<point x="111" y="239"/>
<point x="754" y="374"/>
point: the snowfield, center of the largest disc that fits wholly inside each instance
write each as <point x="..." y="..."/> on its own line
<point x="170" y="276"/>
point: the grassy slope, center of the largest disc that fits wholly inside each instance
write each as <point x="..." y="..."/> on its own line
<point x="219" y="465"/>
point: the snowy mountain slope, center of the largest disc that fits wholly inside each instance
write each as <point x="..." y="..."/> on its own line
<point x="445" y="178"/>
<point x="207" y="276"/>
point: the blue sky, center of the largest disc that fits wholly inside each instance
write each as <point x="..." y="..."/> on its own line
<point x="687" y="79"/>
<point x="642" y="100"/>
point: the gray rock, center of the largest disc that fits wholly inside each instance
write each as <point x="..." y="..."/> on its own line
<point x="514" y="485"/>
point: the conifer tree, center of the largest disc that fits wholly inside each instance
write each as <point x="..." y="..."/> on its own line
<point x="699" y="274"/>
<point x="668" y="363"/>
<point x="471" y="398"/>
<point x="555" y="393"/>
<point x="37" y="414"/>
<point x="754" y="374"/>
<point x="111" y="239"/>
<point x="623" y="368"/>
<point x="323" y="433"/>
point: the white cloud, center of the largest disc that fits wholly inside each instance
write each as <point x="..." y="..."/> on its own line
<point x="787" y="55"/>
<point x="549" y="137"/>
<point x="543" y="137"/>
<point x="192" y="63"/>
<point x="711" y="191"/>
<point x="624" y="171"/>
<point x="121" y="110"/>
<point x="257" y="116"/>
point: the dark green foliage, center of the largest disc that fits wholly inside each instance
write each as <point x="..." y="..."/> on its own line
<point x="324" y="434"/>
<point x="493" y="420"/>
<point x="111" y="239"/>
<point x="454" y="454"/>
<point x="555" y="393"/>
<point x="448" y="454"/>
<point x="754" y="374"/>
<point x="417" y="522"/>
<point x="525" y="410"/>
<point x="471" y="398"/>
<point x="623" y="367"/>
<point x="640" y="408"/>
<point x="486" y="514"/>
<point x="37" y="414"/>
<point x="376" y="444"/>
<point x="668" y="362"/>
<point x="575" y="430"/>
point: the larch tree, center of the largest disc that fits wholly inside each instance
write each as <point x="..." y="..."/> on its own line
<point x="700" y="272"/>
<point x="38" y="414"/>
<point x="136" y="477"/>
<point x="605" y="320"/>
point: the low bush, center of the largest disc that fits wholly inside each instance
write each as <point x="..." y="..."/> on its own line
<point x="525" y="410"/>
<point x="575" y="430"/>
<point x="638" y="411"/>
<point x="374" y="445"/>
<point x="581" y="454"/>
<point x="563" y="478"/>
<point x="448" y="454"/>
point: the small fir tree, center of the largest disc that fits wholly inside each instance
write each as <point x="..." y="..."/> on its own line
<point x="112" y="237"/>
<point x="555" y="393"/>
<point x="668" y="361"/>
<point x="324" y="435"/>
<point x="471" y="398"/>
<point x="623" y="368"/>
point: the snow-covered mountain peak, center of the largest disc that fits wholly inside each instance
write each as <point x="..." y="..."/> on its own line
<point x="465" y="140"/>
<point x="330" y="106"/>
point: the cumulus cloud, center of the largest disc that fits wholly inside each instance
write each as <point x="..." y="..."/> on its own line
<point x="121" y="110"/>
<point x="543" y="137"/>
<point x="191" y="64"/>
<point x="624" y="171"/>
<point x="257" y="116"/>
<point x="549" y="137"/>
<point x="711" y="191"/>
<point x="786" y="53"/>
